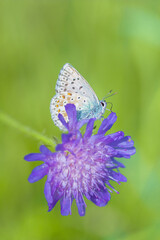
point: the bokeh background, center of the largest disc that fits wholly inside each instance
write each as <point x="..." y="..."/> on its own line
<point x="114" y="45"/>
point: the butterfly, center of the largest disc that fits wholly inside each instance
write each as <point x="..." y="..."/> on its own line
<point x="71" y="87"/>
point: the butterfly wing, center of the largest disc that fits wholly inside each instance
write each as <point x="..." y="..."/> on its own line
<point x="71" y="87"/>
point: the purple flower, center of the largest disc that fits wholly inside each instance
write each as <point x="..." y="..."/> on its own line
<point x="82" y="165"/>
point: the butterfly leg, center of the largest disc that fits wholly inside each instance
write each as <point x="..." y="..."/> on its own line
<point x="110" y="107"/>
<point x="102" y="118"/>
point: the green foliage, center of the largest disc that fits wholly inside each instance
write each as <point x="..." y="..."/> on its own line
<point x="114" y="45"/>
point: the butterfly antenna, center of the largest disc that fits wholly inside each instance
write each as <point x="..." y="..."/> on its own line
<point x="109" y="94"/>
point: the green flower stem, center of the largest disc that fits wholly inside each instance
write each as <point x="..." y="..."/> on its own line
<point x="25" y="129"/>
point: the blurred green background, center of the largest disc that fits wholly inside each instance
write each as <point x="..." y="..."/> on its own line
<point x="114" y="45"/>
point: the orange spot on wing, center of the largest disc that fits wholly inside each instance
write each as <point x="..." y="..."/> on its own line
<point x="58" y="110"/>
<point x="57" y="106"/>
<point x="70" y="94"/>
<point x="63" y="96"/>
<point x="57" y="101"/>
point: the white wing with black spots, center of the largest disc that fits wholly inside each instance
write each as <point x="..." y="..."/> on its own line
<point x="71" y="87"/>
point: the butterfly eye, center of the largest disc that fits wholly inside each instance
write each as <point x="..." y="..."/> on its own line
<point x="102" y="103"/>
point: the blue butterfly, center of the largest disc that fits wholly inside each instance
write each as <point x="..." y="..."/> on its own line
<point x="71" y="87"/>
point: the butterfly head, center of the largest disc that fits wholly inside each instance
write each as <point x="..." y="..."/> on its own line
<point x="103" y="105"/>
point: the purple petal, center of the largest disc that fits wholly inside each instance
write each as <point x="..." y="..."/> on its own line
<point x="38" y="173"/>
<point x="80" y="204"/>
<point x="66" y="137"/>
<point x="126" y="153"/>
<point x="72" y="115"/>
<point x="47" y="192"/>
<point x="119" y="164"/>
<point x="60" y="147"/>
<point x="45" y="150"/>
<point x="81" y="123"/>
<point x="66" y="203"/>
<point x="101" y="197"/>
<point x="116" y="176"/>
<point x="56" y="197"/>
<point x="61" y="118"/>
<point x="108" y="183"/>
<point x="107" y="123"/>
<point x="78" y="136"/>
<point x="51" y="159"/>
<point x="126" y="142"/>
<point x="110" y="151"/>
<point x="111" y="138"/>
<point x="89" y="128"/>
<point x="35" y="157"/>
<point x="95" y="139"/>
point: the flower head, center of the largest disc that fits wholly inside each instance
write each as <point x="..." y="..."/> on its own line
<point x="82" y="165"/>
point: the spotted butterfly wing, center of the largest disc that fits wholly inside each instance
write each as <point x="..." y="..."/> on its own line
<point x="71" y="87"/>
